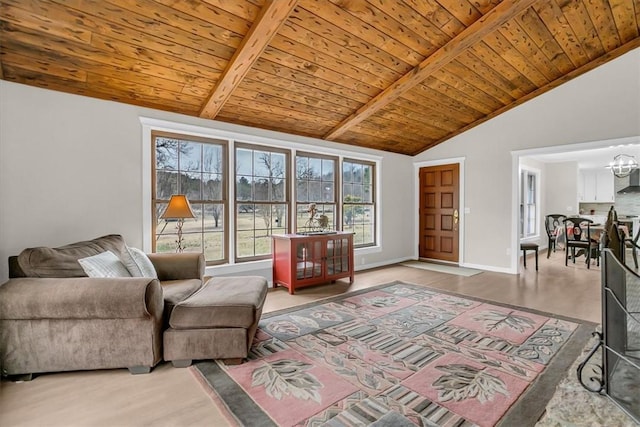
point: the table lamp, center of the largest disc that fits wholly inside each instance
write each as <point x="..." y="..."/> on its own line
<point x="178" y="209"/>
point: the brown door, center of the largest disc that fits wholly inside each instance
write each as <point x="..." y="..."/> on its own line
<point x="439" y="212"/>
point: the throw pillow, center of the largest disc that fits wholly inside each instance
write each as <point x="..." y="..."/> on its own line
<point x="144" y="267"/>
<point x="105" y="264"/>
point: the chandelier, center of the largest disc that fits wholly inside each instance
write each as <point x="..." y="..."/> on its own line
<point x="622" y="165"/>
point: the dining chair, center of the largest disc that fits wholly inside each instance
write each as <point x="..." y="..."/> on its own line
<point x="577" y="232"/>
<point x="633" y="244"/>
<point x="551" y="223"/>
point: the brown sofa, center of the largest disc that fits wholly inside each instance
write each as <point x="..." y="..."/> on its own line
<point x="54" y="318"/>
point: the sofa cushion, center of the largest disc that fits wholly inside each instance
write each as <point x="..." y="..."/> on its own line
<point x="141" y="266"/>
<point x="105" y="264"/>
<point x="63" y="261"/>
<point x="175" y="291"/>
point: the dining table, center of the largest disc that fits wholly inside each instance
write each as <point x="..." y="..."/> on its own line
<point x="596" y="232"/>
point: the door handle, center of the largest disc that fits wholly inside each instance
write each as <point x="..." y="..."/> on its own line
<point x="455" y="216"/>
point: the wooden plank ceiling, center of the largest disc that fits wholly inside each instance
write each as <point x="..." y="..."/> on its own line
<point x="400" y="76"/>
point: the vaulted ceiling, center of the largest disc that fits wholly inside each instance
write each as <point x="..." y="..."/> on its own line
<point x="400" y="76"/>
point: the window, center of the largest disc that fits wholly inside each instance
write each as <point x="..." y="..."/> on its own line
<point x="315" y="185"/>
<point x="197" y="168"/>
<point x="528" y="203"/>
<point x="358" y="203"/>
<point x="262" y="199"/>
<point x="243" y="193"/>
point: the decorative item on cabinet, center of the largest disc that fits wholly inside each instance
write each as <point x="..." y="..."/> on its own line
<point x="305" y="260"/>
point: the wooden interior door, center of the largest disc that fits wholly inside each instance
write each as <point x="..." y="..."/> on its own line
<point x="439" y="212"/>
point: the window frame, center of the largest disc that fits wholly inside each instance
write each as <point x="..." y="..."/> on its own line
<point x="224" y="201"/>
<point x="373" y="204"/>
<point x="236" y="203"/>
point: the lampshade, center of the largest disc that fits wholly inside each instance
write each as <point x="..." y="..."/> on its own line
<point x="178" y="208"/>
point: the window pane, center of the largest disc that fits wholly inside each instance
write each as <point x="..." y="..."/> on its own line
<point x="166" y="153"/>
<point x="244" y="161"/>
<point x="315" y="191"/>
<point x="214" y="246"/>
<point x="190" y="156"/>
<point x="367" y="196"/>
<point x="212" y="160"/>
<point x="357" y="173"/>
<point x="190" y="185"/>
<point x="213" y="217"/>
<point x="261" y="163"/>
<point x="244" y="243"/>
<point x="244" y="188"/>
<point x="302" y="194"/>
<point x="328" y="167"/>
<point x="246" y="217"/>
<point x="347" y="172"/>
<point x="166" y="184"/>
<point x="261" y="190"/>
<point x="278" y="165"/>
<point x="166" y="242"/>
<point x="328" y="192"/>
<point x="302" y="167"/>
<point x="315" y="168"/>
<point x="278" y="190"/>
<point x="357" y="193"/>
<point x="212" y="186"/>
<point x="347" y="192"/>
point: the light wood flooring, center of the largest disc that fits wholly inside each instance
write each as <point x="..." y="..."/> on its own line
<point x="172" y="397"/>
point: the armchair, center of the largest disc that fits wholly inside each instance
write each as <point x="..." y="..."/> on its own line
<point x="57" y="320"/>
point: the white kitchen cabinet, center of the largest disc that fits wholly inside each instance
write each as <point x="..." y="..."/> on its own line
<point x="596" y="186"/>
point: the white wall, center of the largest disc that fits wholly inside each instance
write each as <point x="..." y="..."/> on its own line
<point x="601" y="104"/>
<point x="71" y="169"/>
<point x="561" y="188"/>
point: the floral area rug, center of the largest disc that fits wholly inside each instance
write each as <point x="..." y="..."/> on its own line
<point x="398" y="355"/>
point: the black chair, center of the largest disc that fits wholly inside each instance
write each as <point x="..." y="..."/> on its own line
<point x="551" y="223"/>
<point x="633" y="244"/>
<point x="577" y="231"/>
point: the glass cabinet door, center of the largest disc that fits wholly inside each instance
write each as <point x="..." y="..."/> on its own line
<point x="337" y="256"/>
<point x="308" y="259"/>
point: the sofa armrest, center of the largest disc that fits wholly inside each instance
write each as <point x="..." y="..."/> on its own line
<point x="178" y="266"/>
<point x="81" y="298"/>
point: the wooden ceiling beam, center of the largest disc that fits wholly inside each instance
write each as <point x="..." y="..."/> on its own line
<point x="272" y="15"/>
<point x="473" y="34"/>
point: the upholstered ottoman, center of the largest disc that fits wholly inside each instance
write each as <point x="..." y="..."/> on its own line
<point x="217" y="322"/>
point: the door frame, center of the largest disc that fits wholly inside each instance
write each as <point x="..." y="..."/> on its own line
<point x="416" y="203"/>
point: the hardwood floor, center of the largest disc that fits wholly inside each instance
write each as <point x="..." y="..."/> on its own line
<point x="172" y="397"/>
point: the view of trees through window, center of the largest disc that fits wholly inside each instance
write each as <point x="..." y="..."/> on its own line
<point x="194" y="167"/>
<point x="199" y="168"/>
<point x="315" y="186"/>
<point x="358" y="213"/>
<point x="261" y="198"/>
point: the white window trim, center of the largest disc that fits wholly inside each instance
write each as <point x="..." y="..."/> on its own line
<point x="278" y="140"/>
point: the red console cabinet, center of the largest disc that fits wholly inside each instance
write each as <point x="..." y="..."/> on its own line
<point x="301" y="260"/>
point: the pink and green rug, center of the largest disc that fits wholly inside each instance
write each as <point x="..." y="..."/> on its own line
<point x="398" y="355"/>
